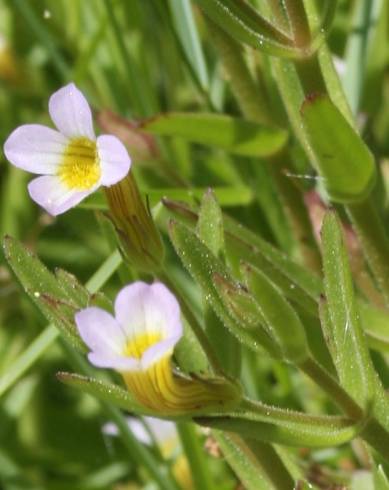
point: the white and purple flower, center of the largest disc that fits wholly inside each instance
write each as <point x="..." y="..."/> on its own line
<point x="145" y="329"/>
<point x="138" y="342"/>
<point x="72" y="162"/>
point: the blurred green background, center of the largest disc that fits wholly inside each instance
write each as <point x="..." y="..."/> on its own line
<point x="136" y="58"/>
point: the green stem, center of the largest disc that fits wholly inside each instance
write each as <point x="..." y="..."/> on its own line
<point x="374" y="240"/>
<point x="296" y="212"/>
<point x="195" y="455"/>
<point x="28" y="358"/>
<point x="310" y="75"/>
<point x="330" y="385"/>
<point x="252" y="101"/>
<point x="298" y="22"/>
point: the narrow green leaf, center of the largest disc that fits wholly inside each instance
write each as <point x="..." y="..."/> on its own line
<point x="186" y="29"/>
<point x="314" y="432"/>
<point x="245" y="463"/>
<point x="210" y="231"/>
<point x="243" y="23"/>
<point x="230" y="133"/>
<point x="254" y="461"/>
<point x="203" y="265"/>
<point x="346" y="339"/>
<point x="281" y="319"/>
<point x="344" y="161"/>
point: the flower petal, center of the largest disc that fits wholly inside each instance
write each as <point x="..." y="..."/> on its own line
<point x="159" y="350"/>
<point x="143" y="308"/>
<point x="71" y="113"/>
<point x="122" y="364"/>
<point x="114" y="159"/>
<point x="50" y="193"/>
<point x="36" y="148"/>
<point x="100" y="332"/>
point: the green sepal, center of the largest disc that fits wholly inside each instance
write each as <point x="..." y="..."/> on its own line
<point x="232" y="134"/>
<point x="203" y="265"/>
<point x="340" y="317"/>
<point x="58" y="296"/>
<point x="344" y="162"/>
<point x="281" y="319"/>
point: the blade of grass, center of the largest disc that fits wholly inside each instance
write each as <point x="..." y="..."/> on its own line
<point x="200" y="471"/>
<point x="364" y="23"/>
<point x="186" y="30"/>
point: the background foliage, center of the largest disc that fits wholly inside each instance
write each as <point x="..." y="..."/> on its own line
<point x="137" y="59"/>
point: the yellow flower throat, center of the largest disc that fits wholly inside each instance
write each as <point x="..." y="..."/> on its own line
<point x="80" y="166"/>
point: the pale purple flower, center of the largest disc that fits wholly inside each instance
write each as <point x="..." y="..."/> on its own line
<point x="144" y="330"/>
<point x="72" y="162"/>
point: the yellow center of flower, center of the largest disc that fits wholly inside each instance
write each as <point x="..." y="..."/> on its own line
<point x="80" y="166"/>
<point x="139" y="344"/>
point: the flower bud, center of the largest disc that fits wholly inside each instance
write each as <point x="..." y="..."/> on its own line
<point x="140" y="241"/>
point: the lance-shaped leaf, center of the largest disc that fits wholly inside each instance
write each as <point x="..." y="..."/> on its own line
<point x="203" y="265"/>
<point x="210" y="231"/>
<point x="343" y="160"/>
<point x="343" y="331"/>
<point x="281" y="319"/>
<point x="243" y="23"/>
<point x="58" y="298"/>
<point x="310" y="431"/>
<point x="233" y="134"/>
